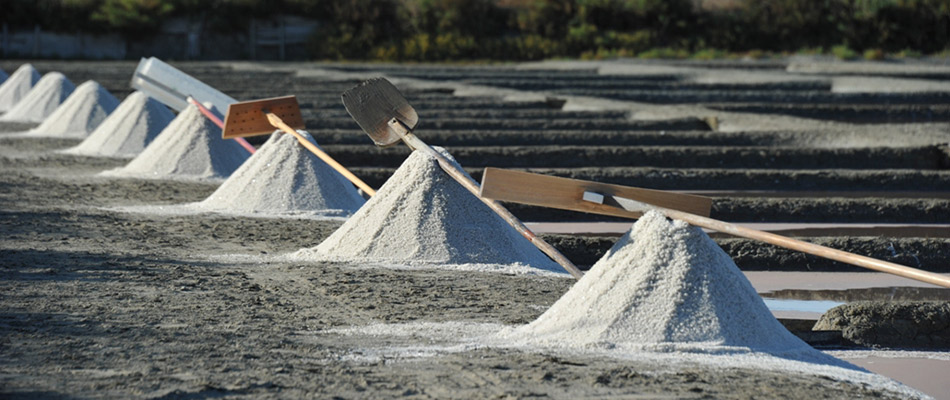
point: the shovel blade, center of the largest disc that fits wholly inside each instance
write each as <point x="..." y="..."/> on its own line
<point x="247" y="117"/>
<point x="376" y="102"/>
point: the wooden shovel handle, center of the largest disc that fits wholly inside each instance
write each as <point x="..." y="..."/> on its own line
<point x="468" y="183"/>
<point x="805" y="247"/>
<point x="279" y="123"/>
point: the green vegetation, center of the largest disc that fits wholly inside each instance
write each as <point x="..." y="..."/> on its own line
<point x="427" y="30"/>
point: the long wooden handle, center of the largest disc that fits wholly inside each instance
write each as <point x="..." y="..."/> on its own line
<point x="217" y="121"/>
<point x="279" y="123"/>
<point x="523" y="187"/>
<point x="468" y="183"/>
<point x="805" y="247"/>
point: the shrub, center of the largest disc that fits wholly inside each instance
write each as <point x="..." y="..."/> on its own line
<point x="874" y="54"/>
<point x="843" y="52"/>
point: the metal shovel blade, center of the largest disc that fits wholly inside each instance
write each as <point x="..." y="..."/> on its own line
<point x="247" y="117"/>
<point x="373" y="104"/>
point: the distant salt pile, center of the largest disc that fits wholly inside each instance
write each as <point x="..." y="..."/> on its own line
<point x="132" y="125"/>
<point x="284" y="178"/>
<point x="16" y="86"/>
<point x="665" y="286"/>
<point x="42" y="100"/>
<point x="421" y="216"/>
<point x="80" y="114"/>
<point x="189" y="148"/>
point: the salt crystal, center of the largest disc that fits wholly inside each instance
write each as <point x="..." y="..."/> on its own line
<point x="80" y="114"/>
<point x="16" y="86"/>
<point x="663" y="286"/>
<point x="422" y="216"/>
<point x="48" y="93"/>
<point x="283" y="178"/>
<point x="133" y="125"/>
<point x="189" y="148"/>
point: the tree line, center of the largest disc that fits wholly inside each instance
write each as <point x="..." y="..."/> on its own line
<point x="429" y="30"/>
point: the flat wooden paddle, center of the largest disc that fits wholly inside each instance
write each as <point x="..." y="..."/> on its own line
<point x="594" y="197"/>
<point x="258" y="117"/>
<point x="385" y="115"/>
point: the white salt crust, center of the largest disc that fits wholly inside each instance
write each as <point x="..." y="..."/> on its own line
<point x="189" y="148"/>
<point x="80" y="114"/>
<point x="16" y="86"/>
<point x="419" y="217"/>
<point x="127" y="130"/>
<point x="48" y="93"/>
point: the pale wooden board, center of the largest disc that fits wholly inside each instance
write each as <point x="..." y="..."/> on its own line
<point x="376" y="102"/>
<point x="567" y="194"/>
<point x="247" y="117"/>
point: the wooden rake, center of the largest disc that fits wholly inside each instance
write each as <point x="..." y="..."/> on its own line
<point x="620" y="201"/>
<point x="258" y="117"/>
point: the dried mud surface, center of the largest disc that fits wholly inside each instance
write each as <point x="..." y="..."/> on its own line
<point x="100" y="303"/>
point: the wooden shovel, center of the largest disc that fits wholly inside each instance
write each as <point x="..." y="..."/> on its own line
<point x="385" y="115"/>
<point x="598" y="198"/>
<point x="258" y="117"/>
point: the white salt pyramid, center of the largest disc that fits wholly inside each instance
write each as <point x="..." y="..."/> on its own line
<point x="16" y="86"/>
<point x="80" y="114"/>
<point x="283" y="177"/>
<point x="42" y="100"/>
<point x="663" y="286"/>
<point x="189" y="148"/>
<point x="422" y="216"/>
<point x="125" y="133"/>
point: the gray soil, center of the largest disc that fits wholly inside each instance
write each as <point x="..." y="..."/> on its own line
<point x="99" y="303"/>
<point x="103" y="303"/>
<point x="906" y="325"/>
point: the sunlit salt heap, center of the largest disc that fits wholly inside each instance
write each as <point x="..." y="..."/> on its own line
<point x="80" y="114"/>
<point x="421" y="215"/>
<point x="189" y="148"/>
<point x="282" y="177"/>
<point x="45" y="97"/>
<point x="16" y="86"/>
<point x="133" y="125"/>
<point x="663" y="286"/>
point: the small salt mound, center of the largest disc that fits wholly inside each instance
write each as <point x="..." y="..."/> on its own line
<point x="126" y="132"/>
<point x="189" y="148"/>
<point x="282" y="177"/>
<point x="80" y="114"/>
<point x="16" y="86"/>
<point x="664" y="286"/>
<point x="421" y="215"/>
<point x="42" y="100"/>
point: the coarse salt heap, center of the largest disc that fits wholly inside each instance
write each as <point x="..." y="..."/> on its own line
<point x="664" y="286"/>
<point x="49" y="92"/>
<point x="16" y="86"/>
<point x="80" y="114"/>
<point x="189" y="148"/>
<point x="421" y="215"/>
<point x="125" y="133"/>
<point x="282" y="177"/>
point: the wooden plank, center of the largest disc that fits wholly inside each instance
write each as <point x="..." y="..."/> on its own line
<point x="567" y="194"/>
<point x="248" y="118"/>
